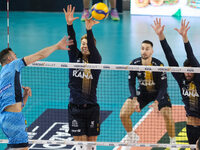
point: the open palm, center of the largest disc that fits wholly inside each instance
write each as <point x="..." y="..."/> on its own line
<point x="69" y="15"/>
<point x="158" y="28"/>
<point x="90" y="22"/>
<point x="184" y="28"/>
<point x="64" y="42"/>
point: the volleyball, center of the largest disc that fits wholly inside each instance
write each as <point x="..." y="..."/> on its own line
<point x="99" y="11"/>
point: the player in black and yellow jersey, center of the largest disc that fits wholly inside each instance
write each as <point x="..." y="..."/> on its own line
<point x="152" y="87"/>
<point x="189" y="83"/>
<point x="83" y="109"/>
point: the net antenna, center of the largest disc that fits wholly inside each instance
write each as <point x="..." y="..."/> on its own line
<point x="8" y="23"/>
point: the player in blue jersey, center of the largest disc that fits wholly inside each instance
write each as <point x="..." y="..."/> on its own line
<point x="189" y="83"/>
<point x="152" y="88"/>
<point x="83" y="110"/>
<point x="13" y="96"/>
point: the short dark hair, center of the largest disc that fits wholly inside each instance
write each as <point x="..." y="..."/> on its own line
<point x="3" y="55"/>
<point x="187" y="63"/>
<point x="148" y="42"/>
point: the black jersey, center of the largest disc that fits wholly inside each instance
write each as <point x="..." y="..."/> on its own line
<point x="190" y="90"/>
<point x="83" y="83"/>
<point x="149" y="82"/>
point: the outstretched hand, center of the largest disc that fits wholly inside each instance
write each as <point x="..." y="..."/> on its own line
<point x="64" y="42"/>
<point x="183" y="29"/>
<point x="158" y="28"/>
<point x="90" y="22"/>
<point x="69" y="15"/>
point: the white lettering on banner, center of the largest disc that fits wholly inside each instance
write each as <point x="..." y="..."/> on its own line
<point x="192" y="93"/>
<point x="78" y="74"/>
<point x="147" y="82"/>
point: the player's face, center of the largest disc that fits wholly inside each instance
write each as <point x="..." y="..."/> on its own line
<point x="189" y="76"/>
<point x="84" y="47"/>
<point x="12" y="56"/>
<point x="146" y="51"/>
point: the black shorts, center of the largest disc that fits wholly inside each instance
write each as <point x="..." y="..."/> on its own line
<point x="21" y="145"/>
<point x="84" y="119"/>
<point x="193" y="133"/>
<point x="145" y="98"/>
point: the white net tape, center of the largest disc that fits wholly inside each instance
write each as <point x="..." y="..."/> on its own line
<point x="116" y="67"/>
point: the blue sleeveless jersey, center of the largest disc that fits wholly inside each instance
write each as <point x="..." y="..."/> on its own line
<point x="10" y="83"/>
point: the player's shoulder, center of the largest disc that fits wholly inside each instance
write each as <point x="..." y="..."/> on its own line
<point x="16" y="61"/>
<point x="13" y="63"/>
<point x="136" y="61"/>
<point x="156" y="62"/>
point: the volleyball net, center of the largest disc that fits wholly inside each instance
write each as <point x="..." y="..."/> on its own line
<point x="47" y="116"/>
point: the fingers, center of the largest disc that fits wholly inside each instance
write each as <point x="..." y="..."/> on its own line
<point x="176" y="29"/>
<point x="63" y="39"/>
<point x="73" y="10"/>
<point x="75" y="18"/>
<point x="154" y="22"/>
<point x="64" y="10"/>
<point x="152" y="26"/>
<point x="187" y="29"/>
<point x="70" y="8"/>
<point x="90" y="18"/>
<point x="70" y="42"/>
<point x="96" y="22"/>
<point x="27" y="90"/>
<point x="187" y="24"/>
<point x="163" y="27"/>
<point x="159" y="21"/>
<point x="184" y="22"/>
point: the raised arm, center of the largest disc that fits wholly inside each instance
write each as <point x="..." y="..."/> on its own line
<point x="69" y="17"/>
<point x="183" y="32"/>
<point x="62" y="45"/>
<point x="95" y="56"/>
<point x="158" y="28"/>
